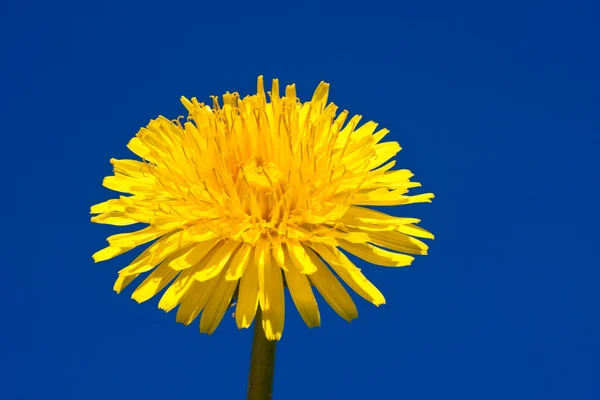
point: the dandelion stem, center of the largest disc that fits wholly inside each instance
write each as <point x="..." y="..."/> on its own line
<point x="262" y="363"/>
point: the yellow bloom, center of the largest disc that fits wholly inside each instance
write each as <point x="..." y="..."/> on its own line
<point x="246" y="198"/>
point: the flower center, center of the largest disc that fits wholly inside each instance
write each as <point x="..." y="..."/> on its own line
<point x="261" y="176"/>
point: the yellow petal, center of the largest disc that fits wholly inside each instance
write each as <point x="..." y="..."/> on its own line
<point x="364" y="217"/>
<point x="300" y="258"/>
<point x="199" y="234"/>
<point x="380" y="134"/>
<point x="354" y="237"/>
<point x="303" y="296"/>
<point x="155" y="282"/>
<point x="319" y="99"/>
<point x="127" y="215"/>
<point x="414" y="230"/>
<point x="343" y="139"/>
<point x="332" y="213"/>
<point x="382" y="197"/>
<point x="278" y="253"/>
<point x="109" y="252"/>
<point x="194" y="301"/>
<point x="195" y="254"/>
<point x="172" y="297"/>
<point x="140" y="264"/>
<point x="177" y="290"/>
<point x="271" y="297"/>
<point x="168" y="222"/>
<point x="247" y="301"/>
<point x="329" y="239"/>
<point x="114" y="218"/>
<point x="218" y="303"/>
<point x="140" y="149"/>
<point x="122" y="282"/>
<point x="217" y="262"/>
<point x="107" y="206"/>
<point x="141" y="171"/>
<point x="398" y="242"/>
<point x="332" y="290"/>
<point x="168" y="244"/>
<point x="239" y="263"/>
<point x="137" y="238"/>
<point x="376" y="255"/>
<point x="399" y="175"/>
<point x="154" y="254"/>
<point x="350" y="274"/>
<point x="401" y="187"/>
<point x="123" y="184"/>
<point x="365" y="131"/>
<point x="383" y="152"/>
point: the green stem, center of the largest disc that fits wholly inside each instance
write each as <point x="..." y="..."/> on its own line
<point x="262" y="363"/>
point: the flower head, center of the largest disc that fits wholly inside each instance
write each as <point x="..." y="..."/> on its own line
<point x="246" y="198"/>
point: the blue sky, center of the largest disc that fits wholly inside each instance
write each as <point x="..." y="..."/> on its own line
<point x="495" y="105"/>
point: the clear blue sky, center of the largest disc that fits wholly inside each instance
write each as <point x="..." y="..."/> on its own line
<point x="496" y="108"/>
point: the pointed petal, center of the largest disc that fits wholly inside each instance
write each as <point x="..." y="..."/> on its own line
<point x="217" y="304"/>
<point x="109" y="252"/>
<point x="239" y="263"/>
<point x="154" y="254"/>
<point x="302" y="296"/>
<point x="375" y="255"/>
<point x="155" y="282"/>
<point x="271" y="296"/>
<point x="140" y="149"/>
<point x="332" y="290"/>
<point x="122" y="282"/>
<point x="319" y="99"/>
<point x="133" y="239"/>
<point x="361" y="215"/>
<point x="350" y="274"/>
<point x="172" y="297"/>
<point x="414" y="230"/>
<point x="195" y="254"/>
<point x="398" y="242"/>
<point x="115" y="218"/>
<point x="178" y="289"/>
<point x="300" y="258"/>
<point x="194" y="301"/>
<point x="217" y="262"/>
<point x="247" y="301"/>
<point x="278" y="253"/>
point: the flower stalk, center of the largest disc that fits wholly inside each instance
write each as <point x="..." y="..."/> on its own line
<point x="262" y="363"/>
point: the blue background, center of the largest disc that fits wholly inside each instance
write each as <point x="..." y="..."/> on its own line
<point x="496" y="105"/>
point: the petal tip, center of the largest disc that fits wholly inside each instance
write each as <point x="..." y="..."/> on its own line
<point x="136" y="296"/>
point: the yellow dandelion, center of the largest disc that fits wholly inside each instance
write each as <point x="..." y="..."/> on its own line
<point x="246" y="198"/>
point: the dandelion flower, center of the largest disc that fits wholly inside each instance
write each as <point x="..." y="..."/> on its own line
<point x="248" y="197"/>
